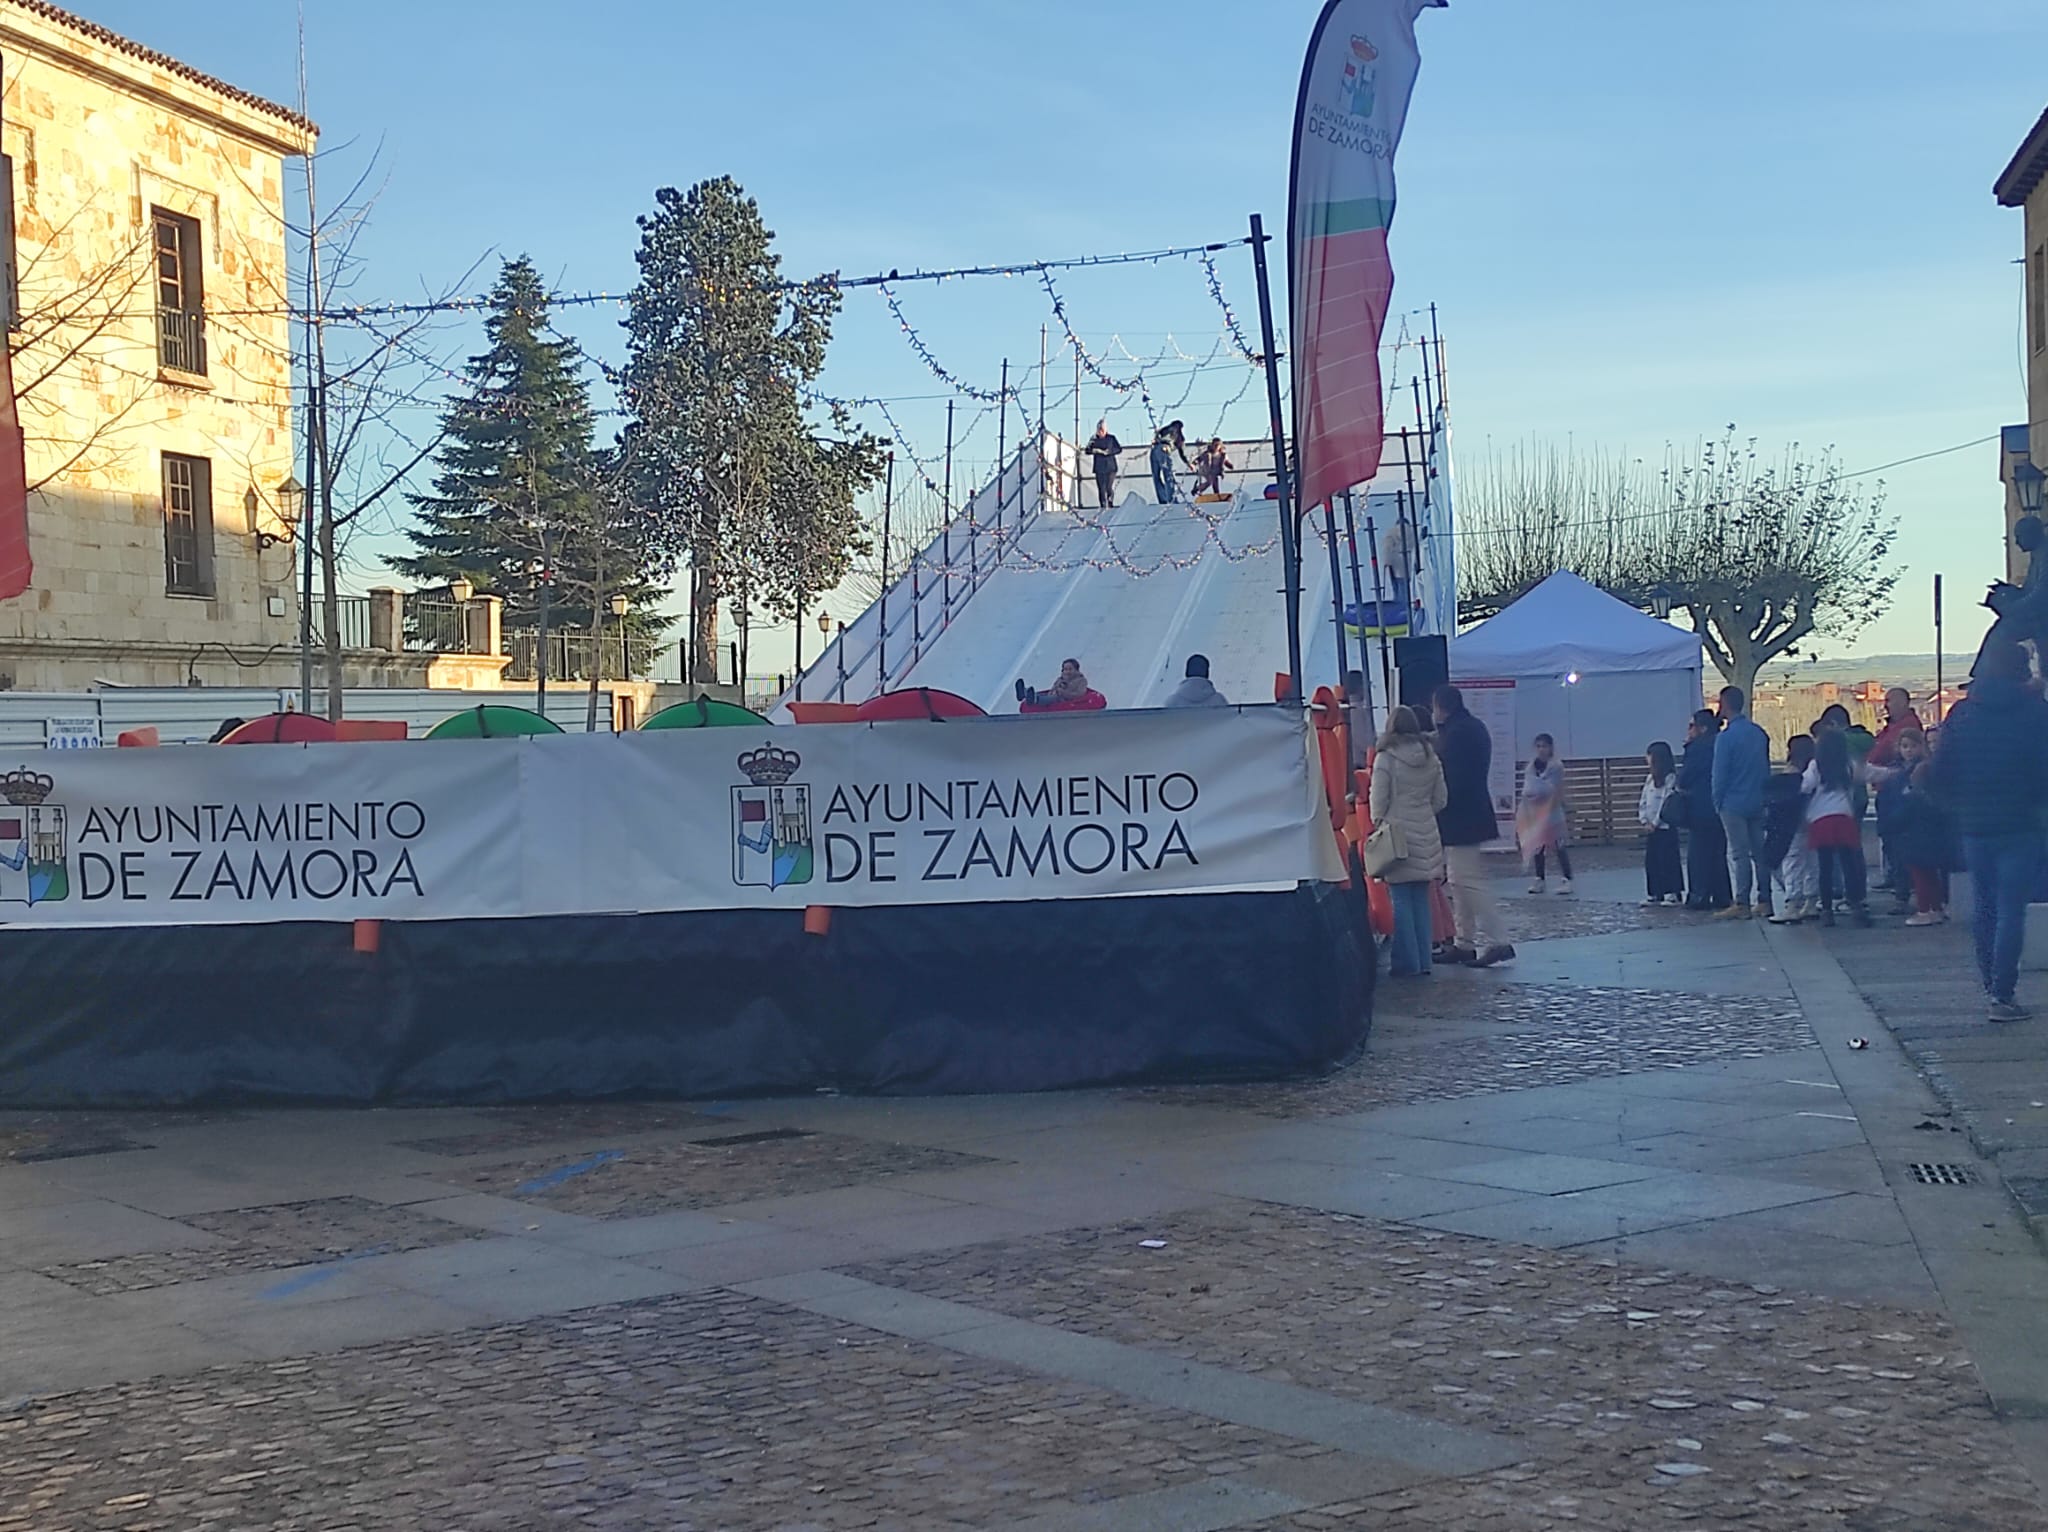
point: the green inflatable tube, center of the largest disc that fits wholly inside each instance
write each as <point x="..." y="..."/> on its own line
<point x="704" y="713"/>
<point x="493" y="720"/>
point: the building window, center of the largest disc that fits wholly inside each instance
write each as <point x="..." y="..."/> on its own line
<point x="180" y="300"/>
<point x="2037" y="298"/>
<point x="188" y="525"/>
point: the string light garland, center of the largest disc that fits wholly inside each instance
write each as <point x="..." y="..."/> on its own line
<point x="1236" y="330"/>
<point x="932" y="364"/>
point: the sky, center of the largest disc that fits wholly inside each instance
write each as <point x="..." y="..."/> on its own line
<point x="1640" y="223"/>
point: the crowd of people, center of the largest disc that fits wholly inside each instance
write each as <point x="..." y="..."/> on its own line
<point x="1105" y="454"/>
<point x="1728" y="834"/>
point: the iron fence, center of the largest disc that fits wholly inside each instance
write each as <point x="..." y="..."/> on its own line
<point x="436" y="625"/>
<point x="354" y="612"/>
<point x="572" y="656"/>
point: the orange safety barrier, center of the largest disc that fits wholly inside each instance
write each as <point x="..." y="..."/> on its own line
<point x="144" y="736"/>
<point x="824" y="712"/>
<point x="371" y="728"/>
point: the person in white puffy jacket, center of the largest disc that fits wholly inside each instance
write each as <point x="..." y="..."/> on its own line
<point x="1663" y="866"/>
<point x="1408" y="791"/>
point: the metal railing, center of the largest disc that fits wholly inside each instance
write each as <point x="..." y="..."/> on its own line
<point x="181" y="340"/>
<point x="436" y="625"/>
<point x="571" y="656"/>
<point x="354" y="612"/>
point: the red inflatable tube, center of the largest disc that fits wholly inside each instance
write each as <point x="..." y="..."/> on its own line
<point x="1092" y="702"/>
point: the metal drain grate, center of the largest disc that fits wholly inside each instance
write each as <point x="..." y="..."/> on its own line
<point x="766" y="1136"/>
<point x="1944" y="1175"/>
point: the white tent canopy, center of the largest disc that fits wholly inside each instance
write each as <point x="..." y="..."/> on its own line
<point x="1567" y="625"/>
<point x="1596" y="674"/>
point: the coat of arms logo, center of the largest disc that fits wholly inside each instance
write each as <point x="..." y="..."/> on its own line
<point x="1359" y="89"/>
<point x="771" y="821"/>
<point x="32" y="840"/>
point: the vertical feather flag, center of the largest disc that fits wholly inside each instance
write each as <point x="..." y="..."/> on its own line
<point x="1355" y="87"/>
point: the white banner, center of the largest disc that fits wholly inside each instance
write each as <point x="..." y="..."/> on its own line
<point x="1493" y="704"/>
<point x="903" y="813"/>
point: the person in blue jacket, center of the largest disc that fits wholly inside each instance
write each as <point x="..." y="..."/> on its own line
<point x="1742" y="773"/>
<point x="1990" y="774"/>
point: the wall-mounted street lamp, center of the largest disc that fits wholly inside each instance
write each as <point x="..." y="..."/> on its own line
<point x="2028" y="480"/>
<point x="291" y="495"/>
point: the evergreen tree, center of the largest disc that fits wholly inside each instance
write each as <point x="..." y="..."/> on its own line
<point x="519" y="489"/>
<point x="720" y="354"/>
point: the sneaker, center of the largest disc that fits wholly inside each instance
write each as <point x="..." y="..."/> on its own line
<point x="2006" y="1010"/>
<point x="1788" y="916"/>
<point x="1924" y="918"/>
<point x="1536" y="886"/>
<point x="1454" y="956"/>
<point x="1652" y="903"/>
<point x="1827" y="917"/>
<point x="1675" y="901"/>
<point x="1498" y="953"/>
<point x="1735" y="912"/>
<point x="1861" y="915"/>
<point x="1565" y="888"/>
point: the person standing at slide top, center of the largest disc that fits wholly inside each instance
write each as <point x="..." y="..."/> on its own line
<point x="1169" y="439"/>
<point x="1105" y="449"/>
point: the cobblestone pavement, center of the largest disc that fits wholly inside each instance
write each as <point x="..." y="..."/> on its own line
<point x="828" y="1314"/>
<point x="700" y="1411"/>
<point x="1455" y="1039"/>
<point x="1654" y="1399"/>
<point x="265" y="1238"/>
<point x="1535" y="917"/>
<point x="734" y="1166"/>
<point x="28" y="1138"/>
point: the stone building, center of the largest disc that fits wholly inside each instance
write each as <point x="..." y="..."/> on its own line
<point x="152" y="363"/>
<point x="2024" y="185"/>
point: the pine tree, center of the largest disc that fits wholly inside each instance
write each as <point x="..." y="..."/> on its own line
<point x="720" y="355"/>
<point x="519" y="488"/>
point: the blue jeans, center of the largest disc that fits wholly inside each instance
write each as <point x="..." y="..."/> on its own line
<point x="2002" y="873"/>
<point x="1745" y="834"/>
<point x="1163" y="487"/>
<point x="1412" y="926"/>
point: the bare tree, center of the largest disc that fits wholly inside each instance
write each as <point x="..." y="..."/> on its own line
<point x="1761" y="556"/>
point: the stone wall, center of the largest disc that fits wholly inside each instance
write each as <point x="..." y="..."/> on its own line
<point x="101" y="136"/>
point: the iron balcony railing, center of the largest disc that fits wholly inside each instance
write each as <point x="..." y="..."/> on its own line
<point x="181" y="340"/>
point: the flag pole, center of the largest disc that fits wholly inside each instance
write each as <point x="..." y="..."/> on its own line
<point x="1289" y="559"/>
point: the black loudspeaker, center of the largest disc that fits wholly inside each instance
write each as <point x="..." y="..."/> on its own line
<point x="1425" y="664"/>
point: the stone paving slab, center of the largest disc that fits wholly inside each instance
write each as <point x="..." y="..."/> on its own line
<point x="1923" y="984"/>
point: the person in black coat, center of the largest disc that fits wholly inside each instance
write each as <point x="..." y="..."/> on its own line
<point x="1465" y="748"/>
<point x="1706" y="864"/>
<point x="1107" y="452"/>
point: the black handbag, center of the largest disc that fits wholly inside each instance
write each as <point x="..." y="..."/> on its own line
<point x="1677" y="811"/>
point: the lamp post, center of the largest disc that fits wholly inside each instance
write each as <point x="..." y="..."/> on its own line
<point x="291" y="500"/>
<point x="620" y="606"/>
<point x="1660" y="603"/>
<point x="824" y="638"/>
